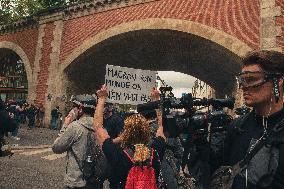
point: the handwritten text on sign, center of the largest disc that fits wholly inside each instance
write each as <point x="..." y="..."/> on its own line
<point x="128" y="85"/>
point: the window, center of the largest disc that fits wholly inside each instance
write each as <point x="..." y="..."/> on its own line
<point x="13" y="78"/>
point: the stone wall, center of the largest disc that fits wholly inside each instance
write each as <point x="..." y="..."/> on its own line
<point x="269" y="29"/>
<point x="279" y="21"/>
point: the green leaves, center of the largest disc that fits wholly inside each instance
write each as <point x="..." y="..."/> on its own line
<point x="13" y="10"/>
<point x="27" y="8"/>
<point x="5" y="11"/>
<point x="52" y="3"/>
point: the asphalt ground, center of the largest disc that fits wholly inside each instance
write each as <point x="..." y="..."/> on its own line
<point x="34" y="137"/>
<point x="27" y="168"/>
<point x="33" y="164"/>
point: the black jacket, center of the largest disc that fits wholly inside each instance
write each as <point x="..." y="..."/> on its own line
<point x="31" y="113"/>
<point x="242" y="131"/>
<point x="7" y="124"/>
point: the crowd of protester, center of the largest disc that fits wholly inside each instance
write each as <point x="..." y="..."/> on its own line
<point x="135" y="152"/>
<point x="24" y="114"/>
<point x="140" y="154"/>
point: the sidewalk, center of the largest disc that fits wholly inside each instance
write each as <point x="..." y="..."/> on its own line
<point x="34" y="138"/>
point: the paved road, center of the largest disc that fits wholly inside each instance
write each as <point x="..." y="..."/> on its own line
<point x="33" y="168"/>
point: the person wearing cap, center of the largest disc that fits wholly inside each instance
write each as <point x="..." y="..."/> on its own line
<point x="261" y="80"/>
<point x="73" y="139"/>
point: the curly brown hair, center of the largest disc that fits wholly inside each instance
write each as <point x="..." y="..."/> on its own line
<point x="137" y="132"/>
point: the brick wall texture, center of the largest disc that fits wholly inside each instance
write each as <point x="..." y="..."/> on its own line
<point x="238" y="18"/>
<point x="26" y="39"/>
<point x="44" y="63"/>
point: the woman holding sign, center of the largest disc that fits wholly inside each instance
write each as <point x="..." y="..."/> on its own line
<point x="133" y="152"/>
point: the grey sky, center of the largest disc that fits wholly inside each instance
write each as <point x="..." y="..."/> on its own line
<point x="179" y="81"/>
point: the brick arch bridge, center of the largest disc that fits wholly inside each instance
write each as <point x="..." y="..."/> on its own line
<point x="58" y="42"/>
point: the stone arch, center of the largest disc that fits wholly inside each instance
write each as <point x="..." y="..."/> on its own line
<point x="231" y="43"/>
<point x="17" y="49"/>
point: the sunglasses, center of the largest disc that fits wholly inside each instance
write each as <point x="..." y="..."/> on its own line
<point x="255" y="79"/>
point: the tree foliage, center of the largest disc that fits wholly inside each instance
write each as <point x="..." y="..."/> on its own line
<point x="5" y="11"/>
<point x="12" y="10"/>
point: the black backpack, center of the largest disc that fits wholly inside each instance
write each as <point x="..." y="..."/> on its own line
<point x="94" y="165"/>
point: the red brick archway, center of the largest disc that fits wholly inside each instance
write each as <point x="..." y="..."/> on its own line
<point x="53" y="40"/>
<point x="221" y="38"/>
<point x="233" y="44"/>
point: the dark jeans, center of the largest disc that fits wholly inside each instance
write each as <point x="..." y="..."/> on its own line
<point x="23" y="118"/>
<point x="54" y="123"/>
<point x="15" y="132"/>
<point x="31" y="122"/>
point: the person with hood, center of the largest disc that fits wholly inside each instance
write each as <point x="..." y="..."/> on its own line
<point x="73" y="139"/>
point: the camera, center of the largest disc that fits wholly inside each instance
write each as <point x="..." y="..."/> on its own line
<point x="242" y="110"/>
<point x="191" y="120"/>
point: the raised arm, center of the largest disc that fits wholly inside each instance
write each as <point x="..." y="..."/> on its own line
<point x="66" y="137"/>
<point x="155" y="95"/>
<point x="100" y="133"/>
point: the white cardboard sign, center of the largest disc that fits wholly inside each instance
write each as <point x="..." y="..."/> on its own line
<point x="129" y="85"/>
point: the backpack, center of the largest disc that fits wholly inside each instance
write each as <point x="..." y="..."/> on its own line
<point x="141" y="177"/>
<point x="94" y="165"/>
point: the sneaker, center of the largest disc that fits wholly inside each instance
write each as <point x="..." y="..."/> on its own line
<point x="15" y="138"/>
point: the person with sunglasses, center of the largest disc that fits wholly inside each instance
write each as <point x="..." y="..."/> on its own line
<point x="261" y="80"/>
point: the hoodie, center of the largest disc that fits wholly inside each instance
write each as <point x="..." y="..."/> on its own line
<point x="73" y="140"/>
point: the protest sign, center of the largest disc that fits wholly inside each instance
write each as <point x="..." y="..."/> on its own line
<point x="129" y="85"/>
